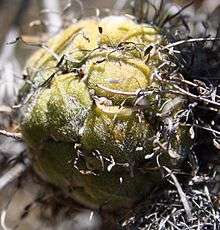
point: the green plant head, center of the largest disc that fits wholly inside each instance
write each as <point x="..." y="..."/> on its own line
<point x="95" y="112"/>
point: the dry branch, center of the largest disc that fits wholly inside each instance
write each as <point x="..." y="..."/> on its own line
<point x="181" y="193"/>
<point x="17" y="136"/>
<point x="12" y="174"/>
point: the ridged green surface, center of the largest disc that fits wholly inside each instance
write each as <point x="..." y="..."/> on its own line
<point x="76" y="126"/>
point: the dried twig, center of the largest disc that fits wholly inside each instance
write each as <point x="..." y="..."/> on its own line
<point x="176" y="80"/>
<point x="213" y="131"/>
<point x="196" y="97"/>
<point x="156" y="91"/>
<point x="5" y="109"/>
<point x="3" y="218"/>
<point x="170" y="17"/>
<point x="189" y="41"/>
<point x="181" y="193"/>
<point x="12" y="174"/>
<point x="17" y="136"/>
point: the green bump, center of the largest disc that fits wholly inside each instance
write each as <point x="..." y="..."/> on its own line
<point x="85" y="132"/>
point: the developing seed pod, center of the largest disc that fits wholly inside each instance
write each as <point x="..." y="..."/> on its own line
<point x="97" y="110"/>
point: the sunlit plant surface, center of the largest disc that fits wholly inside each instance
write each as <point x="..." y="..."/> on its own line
<point x="117" y="111"/>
